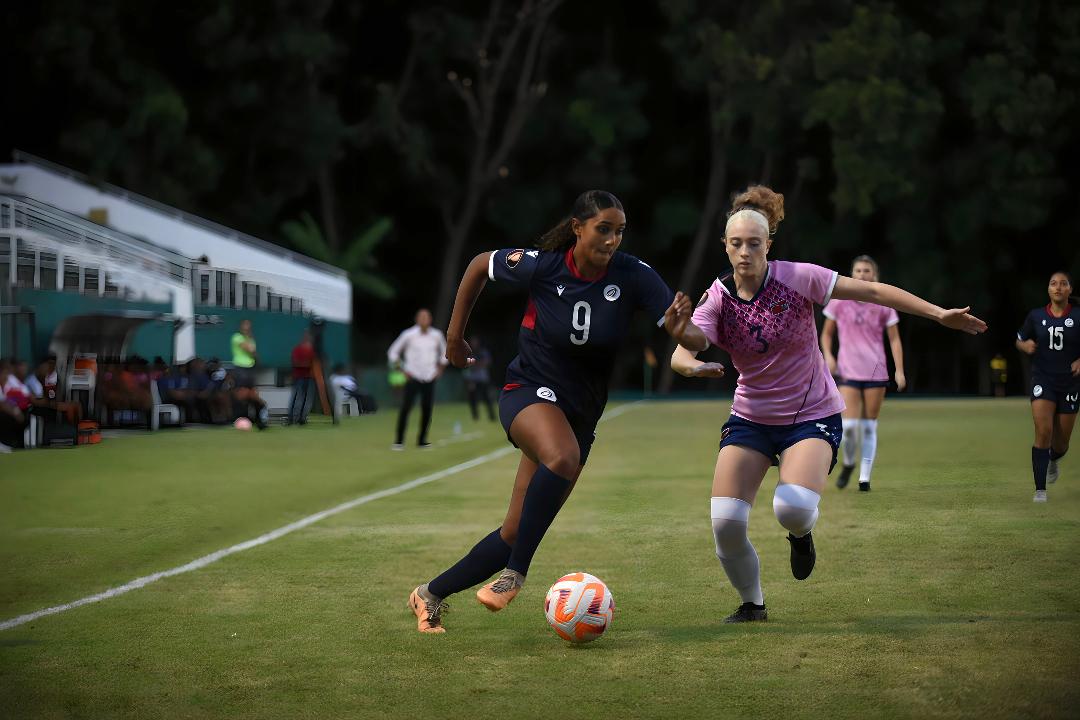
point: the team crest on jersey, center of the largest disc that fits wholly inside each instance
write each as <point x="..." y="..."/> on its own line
<point x="1068" y="322"/>
<point x="612" y="293"/>
<point x="559" y="289"/>
<point x="545" y="393"/>
<point x="513" y="258"/>
<point x="1037" y="391"/>
<point x="778" y="307"/>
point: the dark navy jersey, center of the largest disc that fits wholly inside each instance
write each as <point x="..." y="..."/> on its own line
<point x="573" y="326"/>
<point x="1057" y="341"/>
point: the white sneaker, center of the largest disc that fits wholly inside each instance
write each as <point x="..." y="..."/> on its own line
<point x="1040" y="496"/>
<point x="1052" y="472"/>
<point x="397" y="447"/>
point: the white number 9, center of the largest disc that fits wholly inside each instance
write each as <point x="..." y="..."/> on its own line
<point x="582" y="325"/>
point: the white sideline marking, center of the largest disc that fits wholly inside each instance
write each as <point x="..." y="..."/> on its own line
<point x="281" y="531"/>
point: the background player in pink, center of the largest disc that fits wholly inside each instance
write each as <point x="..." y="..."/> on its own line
<point x="861" y="368"/>
<point x="787" y="409"/>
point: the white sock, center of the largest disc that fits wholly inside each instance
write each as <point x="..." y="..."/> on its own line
<point x="796" y="508"/>
<point x="850" y="441"/>
<point x="730" y="517"/>
<point x="869" y="449"/>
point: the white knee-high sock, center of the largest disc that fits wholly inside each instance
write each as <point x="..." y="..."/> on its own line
<point x="730" y="517"/>
<point x="869" y="449"/>
<point x="850" y="441"/>
<point x="796" y="508"/>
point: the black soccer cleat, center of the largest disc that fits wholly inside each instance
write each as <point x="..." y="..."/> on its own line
<point x="845" y="476"/>
<point x="864" y="486"/>
<point x="748" y="612"/>
<point x="803" y="555"/>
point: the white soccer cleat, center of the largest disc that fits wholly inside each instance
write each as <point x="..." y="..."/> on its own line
<point x="1052" y="472"/>
<point x="1040" y="496"/>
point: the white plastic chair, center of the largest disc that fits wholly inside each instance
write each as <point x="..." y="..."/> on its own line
<point x="344" y="404"/>
<point x="170" y="411"/>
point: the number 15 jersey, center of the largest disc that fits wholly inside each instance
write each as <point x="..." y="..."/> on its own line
<point x="573" y="325"/>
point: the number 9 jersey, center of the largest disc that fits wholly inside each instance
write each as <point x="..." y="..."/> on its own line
<point x="573" y="325"/>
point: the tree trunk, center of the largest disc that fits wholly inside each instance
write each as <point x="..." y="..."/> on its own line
<point x="328" y="203"/>
<point x="714" y="198"/>
<point x="456" y="232"/>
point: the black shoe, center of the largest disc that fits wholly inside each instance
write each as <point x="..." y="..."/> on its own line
<point x="864" y="486"/>
<point x="803" y="555"/>
<point x="748" y="612"/>
<point x="845" y="476"/>
<point x="424" y="445"/>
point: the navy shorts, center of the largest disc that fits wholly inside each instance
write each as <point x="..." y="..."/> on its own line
<point x="771" y="440"/>
<point x="1065" y="395"/>
<point x="863" y="384"/>
<point x="516" y="397"/>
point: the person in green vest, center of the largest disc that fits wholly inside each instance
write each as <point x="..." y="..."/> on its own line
<point x="244" y="355"/>
<point x="245" y="397"/>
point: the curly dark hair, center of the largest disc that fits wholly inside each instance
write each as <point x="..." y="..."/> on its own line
<point x="764" y="200"/>
<point x="587" y="205"/>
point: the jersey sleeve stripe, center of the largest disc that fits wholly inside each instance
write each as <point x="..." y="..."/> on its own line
<point x="491" y="266"/>
<point x="832" y="286"/>
<point x="892" y="322"/>
<point x="660" y="322"/>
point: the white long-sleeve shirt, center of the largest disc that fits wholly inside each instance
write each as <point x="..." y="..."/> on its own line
<point x="420" y="353"/>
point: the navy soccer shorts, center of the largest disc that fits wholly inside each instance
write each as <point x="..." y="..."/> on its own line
<point x="515" y="397"/>
<point x="1064" y="394"/>
<point x="863" y="384"/>
<point x="771" y="440"/>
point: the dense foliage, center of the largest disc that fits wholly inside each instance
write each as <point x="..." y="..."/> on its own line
<point x="938" y="138"/>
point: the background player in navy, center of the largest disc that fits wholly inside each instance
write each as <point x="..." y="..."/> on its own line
<point x="1051" y="335"/>
<point x="582" y="297"/>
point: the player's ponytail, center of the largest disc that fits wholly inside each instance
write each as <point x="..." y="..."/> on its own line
<point x="761" y="199"/>
<point x="587" y="205"/>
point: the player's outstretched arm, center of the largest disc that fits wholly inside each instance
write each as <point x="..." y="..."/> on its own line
<point x="679" y="326"/>
<point x="473" y="281"/>
<point x="900" y="299"/>
<point x="685" y="363"/>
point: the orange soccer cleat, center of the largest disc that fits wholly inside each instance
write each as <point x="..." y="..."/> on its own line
<point x="428" y="612"/>
<point x="497" y="595"/>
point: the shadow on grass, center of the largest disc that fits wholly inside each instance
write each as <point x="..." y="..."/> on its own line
<point x="900" y="626"/>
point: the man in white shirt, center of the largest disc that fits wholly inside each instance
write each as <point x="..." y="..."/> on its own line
<point x="420" y="351"/>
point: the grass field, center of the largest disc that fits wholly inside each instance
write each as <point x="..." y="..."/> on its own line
<point x="943" y="593"/>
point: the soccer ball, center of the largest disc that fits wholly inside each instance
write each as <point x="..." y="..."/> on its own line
<point x="242" y="423"/>
<point x="579" y="607"/>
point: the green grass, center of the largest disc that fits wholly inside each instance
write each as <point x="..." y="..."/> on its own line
<point x="943" y="593"/>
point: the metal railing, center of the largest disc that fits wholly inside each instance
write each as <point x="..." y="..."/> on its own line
<point x="18" y="212"/>
<point x="27" y="158"/>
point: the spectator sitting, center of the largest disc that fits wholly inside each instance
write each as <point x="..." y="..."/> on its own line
<point x="345" y="386"/>
<point x="126" y="387"/>
<point x="46" y="393"/>
<point x="12" y="420"/>
<point x="204" y="381"/>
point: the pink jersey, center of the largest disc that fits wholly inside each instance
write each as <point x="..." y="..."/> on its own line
<point x="773" y="343"/>
<point x="859" y="326"/>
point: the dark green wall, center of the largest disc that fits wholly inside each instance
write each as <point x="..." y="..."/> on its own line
<point x="275" y="333"/>
<point x="51" y="307"/>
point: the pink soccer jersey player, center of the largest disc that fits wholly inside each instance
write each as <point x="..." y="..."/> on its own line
<point x="773" y="344"/>
<point x="862" y="350"/>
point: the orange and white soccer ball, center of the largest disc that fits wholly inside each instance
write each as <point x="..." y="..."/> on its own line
<point x="579" y="607"/>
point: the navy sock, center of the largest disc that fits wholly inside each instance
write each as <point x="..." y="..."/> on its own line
<point x="487" y="557"/>
<point x="1055" y="455"/>
<point x="1040" y="458"/>
<point x="541" y="505"/>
